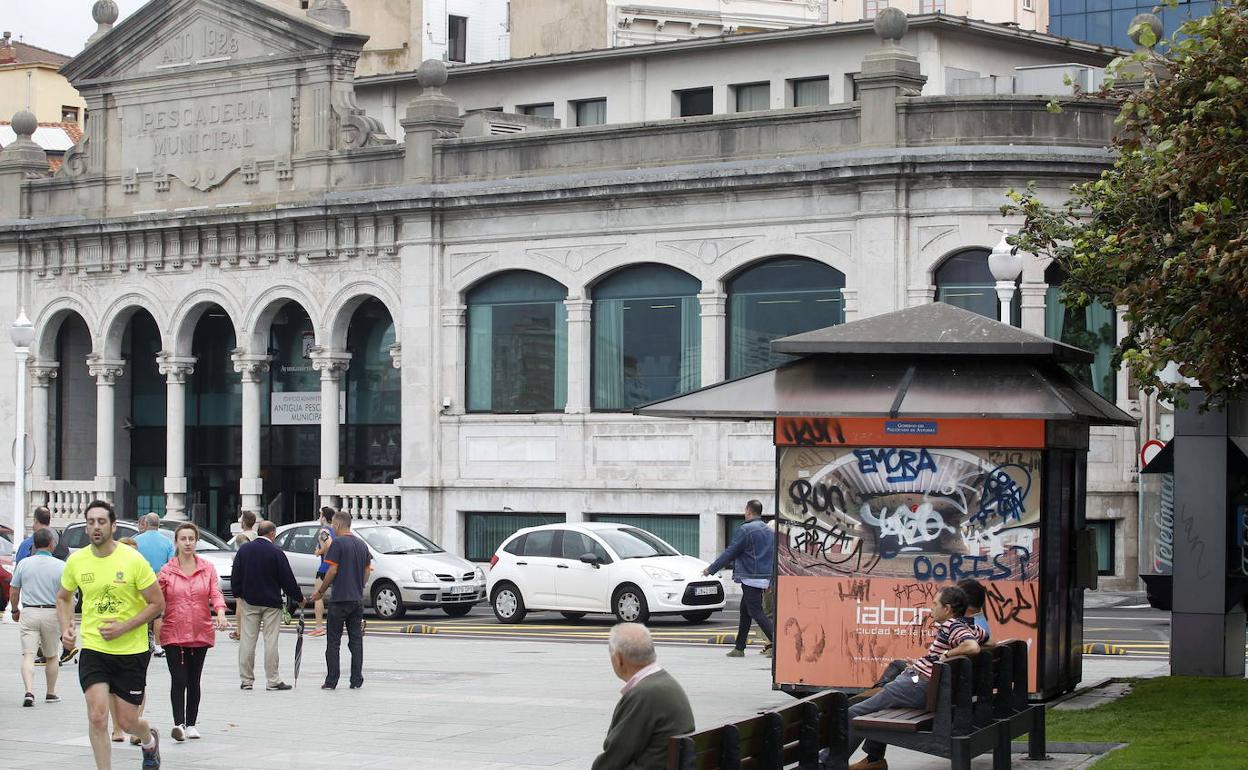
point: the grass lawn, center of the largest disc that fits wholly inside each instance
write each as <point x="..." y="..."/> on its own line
<point x="1170" y="724"/>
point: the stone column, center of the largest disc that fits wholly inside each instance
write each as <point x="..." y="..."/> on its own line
<point x="1033" y="306"/>
<point x="331" y="364"/>
<point x="41" y="375"/>
<point x="176" y="370"/>
<point x="714" y="335"/>
<point x="253" y="370"/>
<point x="887" y="75"/>
<point x="105" y="373"/>
<point x="580" y="352"/>
<point x="453" y="384"/>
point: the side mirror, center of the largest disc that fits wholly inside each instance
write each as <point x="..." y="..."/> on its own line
<point x="591" y="558"/>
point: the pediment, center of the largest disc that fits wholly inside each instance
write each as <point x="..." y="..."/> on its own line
<point x="177" y="36"/>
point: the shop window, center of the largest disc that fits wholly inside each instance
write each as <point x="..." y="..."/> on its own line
<point x="1105" y="553"/>
<point x="647" y="336"/>
<point x="485" y="532"/>
<point x="1093" y="328"/>
<point x="774" y="299"/>
<point x="517" y="344"/>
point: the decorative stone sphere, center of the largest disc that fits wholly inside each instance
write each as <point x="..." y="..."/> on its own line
<point x="1144" y="18"/>
<point x="24" y="123"/>
<point x="891" y="24"/>
<point x="105" y="12"/>
<point x="431" y="73"/>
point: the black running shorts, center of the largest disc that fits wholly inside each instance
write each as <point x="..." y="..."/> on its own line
<point x="125" y="675"/>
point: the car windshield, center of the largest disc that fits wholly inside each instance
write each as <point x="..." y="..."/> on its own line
<point x="631" y="543"/>
<point x="207" y="540"/>
<point x="396" y="540"/>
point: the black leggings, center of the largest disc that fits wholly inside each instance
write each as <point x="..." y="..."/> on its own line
<point x="186" y="666"/>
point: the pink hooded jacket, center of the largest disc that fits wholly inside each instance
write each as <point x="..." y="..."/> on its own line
<point x="190" y="601"/>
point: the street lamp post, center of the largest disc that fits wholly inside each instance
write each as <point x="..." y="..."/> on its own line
<point x="22" y="333"/>
<point x="1006" y="265"/>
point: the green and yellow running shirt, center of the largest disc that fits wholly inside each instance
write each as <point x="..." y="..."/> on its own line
<point x="112" y="589"/>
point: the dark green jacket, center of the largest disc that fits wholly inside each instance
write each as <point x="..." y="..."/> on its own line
<point x="644" y="719"/>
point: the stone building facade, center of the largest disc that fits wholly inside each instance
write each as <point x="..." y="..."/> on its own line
<point x="246" y="293"/>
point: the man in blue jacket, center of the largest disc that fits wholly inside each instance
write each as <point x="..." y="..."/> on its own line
<point x="753" y="553"/>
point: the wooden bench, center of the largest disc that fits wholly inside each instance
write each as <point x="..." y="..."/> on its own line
<point x="960" y="720"/>
<point x="1011" y="709"/>
<point x="784" y="738"/>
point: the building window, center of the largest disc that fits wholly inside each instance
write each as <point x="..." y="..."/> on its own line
<point x="373" y="432"/>
<point x="809" y="92"/>
<point x="964" y="280"/>
<point x="647" y="336"/>
<point x="485" y="532"/>
<point x="752" y="97"/>
<point x="546" y="110"/>
<point x="589" y="112"/>
<point x="680" y="532"/>
<point x="936" y="6"/>
<point x="457" y="38"/>
<point x="872" y="7"/>
<point x="695" y="101"/>
<point x="1093" y="328"/>
<point x="69" y="114"/>
<point x="1028" y="5"/>
<point x="517" y="344"/>
<point x="1105" y="555"/>
<point x="774" y="299"/>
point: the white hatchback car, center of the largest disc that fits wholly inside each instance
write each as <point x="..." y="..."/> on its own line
<point x="577" y="569"/>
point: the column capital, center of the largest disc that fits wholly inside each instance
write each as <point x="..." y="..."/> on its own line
<point x="330" y="363"/>
<point x="454" y="315"/>
<point x="396" y="355"/>
<point x="104" y="371"/>
<point x="713" y="303"/>
<point x="42" y="373"/>
<point x="250" y="366"/>
<point x="579" y="309"/>
<point x="175" y="368"/>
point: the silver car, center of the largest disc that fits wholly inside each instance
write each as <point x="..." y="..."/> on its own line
<point x="409" y="570"/>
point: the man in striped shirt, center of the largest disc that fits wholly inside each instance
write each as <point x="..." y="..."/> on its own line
<point x="955" y="635"/>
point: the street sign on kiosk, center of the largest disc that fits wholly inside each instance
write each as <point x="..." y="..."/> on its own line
<point x="914" y="449"/>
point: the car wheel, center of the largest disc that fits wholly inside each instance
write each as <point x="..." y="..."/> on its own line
<point x="573" y="615"/>
<point x="457" y="610"/>
<point x="508" y="604"/>
<point x="629" y="605"/>
<point x="387" y="601"/>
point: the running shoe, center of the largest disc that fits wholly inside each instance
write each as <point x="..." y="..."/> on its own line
<point x="28" y="700"/>
<point x="191" y="732"/>
<point x="51" y="699"/>
<point x="151" y="757"/>
<point x="179" y="733"/>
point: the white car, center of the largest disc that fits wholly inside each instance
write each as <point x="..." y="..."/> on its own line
<point x="409" y="570"/>
<point x="578" y="569"/>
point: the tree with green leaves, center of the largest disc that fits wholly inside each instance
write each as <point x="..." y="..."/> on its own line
<point x="1164" y="232"/>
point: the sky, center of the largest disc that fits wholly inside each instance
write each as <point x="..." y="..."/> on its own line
<point x="58" y="25"/>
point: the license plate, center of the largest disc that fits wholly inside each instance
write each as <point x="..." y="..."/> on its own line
<point x="706" y="590"/>
<point x="463" y="589"/>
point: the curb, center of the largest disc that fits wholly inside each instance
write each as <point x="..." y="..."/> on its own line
<point x="1057" y="747"/>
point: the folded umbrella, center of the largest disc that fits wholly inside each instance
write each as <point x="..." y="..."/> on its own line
<point x="298" y="647"/>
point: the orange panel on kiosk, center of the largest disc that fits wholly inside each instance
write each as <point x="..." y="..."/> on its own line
<point x="869" y="534"/>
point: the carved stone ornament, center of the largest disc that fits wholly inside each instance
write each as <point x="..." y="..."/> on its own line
<point x="75" y="161"/>
<point x="175" y="368"/>
<point x="104" y="371"/>
<point x="42" y="374"/>
<point x="249" y="366"/>
<point x="355" y="129"/>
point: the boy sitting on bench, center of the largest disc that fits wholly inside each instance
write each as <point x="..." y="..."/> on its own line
<point x="956" y="634"/>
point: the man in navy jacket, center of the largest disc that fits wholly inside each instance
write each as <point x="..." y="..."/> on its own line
<point x="260" y="574"/>
<point x="753" y="554"/>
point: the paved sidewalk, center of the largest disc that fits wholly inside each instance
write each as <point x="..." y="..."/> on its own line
<point x="442" y="704"/>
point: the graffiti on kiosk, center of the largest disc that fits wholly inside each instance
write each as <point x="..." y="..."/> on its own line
<point x="918" y="514"/>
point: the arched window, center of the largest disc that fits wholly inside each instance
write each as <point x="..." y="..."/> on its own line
<point x="1093" y="328"/>
<point x="774" y="299"/>
<point x="517" y="344"/>
<point x="647" y="336"/>
<point x="964" y="280"/>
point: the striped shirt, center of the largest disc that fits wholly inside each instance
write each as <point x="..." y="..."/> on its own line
<point x="949" y="634"/>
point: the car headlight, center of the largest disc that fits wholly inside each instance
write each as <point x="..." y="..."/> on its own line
<point x="658" y="573"/>
<point x="424" y="576"/>
<point x="480" y="574"/>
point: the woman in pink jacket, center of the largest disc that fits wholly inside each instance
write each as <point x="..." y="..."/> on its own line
<point x="191" y="596"/>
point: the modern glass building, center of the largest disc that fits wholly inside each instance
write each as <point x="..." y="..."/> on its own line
<point x="1107" y="21"/>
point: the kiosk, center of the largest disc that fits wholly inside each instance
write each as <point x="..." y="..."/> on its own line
<point x="914" y="449"/>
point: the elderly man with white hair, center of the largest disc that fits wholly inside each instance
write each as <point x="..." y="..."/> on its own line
<point x="158" y="550"/>
<point x="652" y="708"/>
